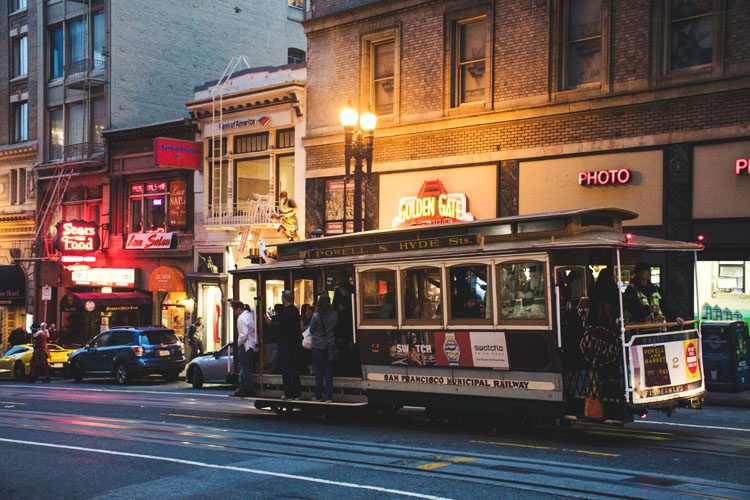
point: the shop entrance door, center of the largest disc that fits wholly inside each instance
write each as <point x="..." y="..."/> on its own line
<point x="212" y="303"/>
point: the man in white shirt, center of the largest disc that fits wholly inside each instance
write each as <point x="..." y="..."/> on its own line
<point x="247" y="343"/>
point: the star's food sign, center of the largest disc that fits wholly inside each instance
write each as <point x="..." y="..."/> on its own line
<point x="432" y="205"/>
<point x="77" y="237"/>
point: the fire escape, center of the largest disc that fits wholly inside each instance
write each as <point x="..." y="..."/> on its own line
<point x="84" y="77"/>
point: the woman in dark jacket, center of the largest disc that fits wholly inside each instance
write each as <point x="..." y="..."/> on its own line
<point x="323" y="332"/>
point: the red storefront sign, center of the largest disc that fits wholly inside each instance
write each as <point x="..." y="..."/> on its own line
<point x="177" y="153"/>
<point x="432" y="205"/>
<point x="77" y="237"/>
<point x="149" y="241"/>
<point x="610" y="177"/>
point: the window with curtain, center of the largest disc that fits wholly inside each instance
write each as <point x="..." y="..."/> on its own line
<point x="56" y="134"/>
<point x="98" y="41"/>
<point x="76" y="44"/>
<point x="56" y="54"/>
<point x="383" y="71"/>
<point x="21" y="121"/>
<point x="470" y="78"/>
<point x="76" y="124"/>
<point x="20" y="55"/>
<point x="583" y="46"/>
<point x="691" y="33"/>
<point x="253" y="176"/>
<point x="16" y="5"/>
<point x="99" y="120"/>
<point x="295" y="56"/>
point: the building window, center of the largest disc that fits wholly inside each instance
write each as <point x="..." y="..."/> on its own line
<point x="21" y="121"/>
<point x="150" y="210"/>
<point x="99" y="120"/>
<point x="690" y="33"/>
<point x="56" y="134"/>
<point x="251" y="143"/>
<point x="731" y="277"/>
<point x="295" y="56"/>
<point x="18" y="186"/>
<point x="299" y="4"/>
<point x="218" y="195"/>
<point x="56" y="54"/>
<point x="334" y="210"/>
<point x="285" y="138"/>
<point x="76" y="46"/>
<point x="470" y="51"/>
<point x="285" y="175"/>
<point x="20" y="46"/>
<point x="383" y="76"/>
<point x="582" y="56"/>
<point x="252" y="177"/>
<point x="75" y="124"/>
<point x="17" y="5"/>
<point x="98" y="41"/>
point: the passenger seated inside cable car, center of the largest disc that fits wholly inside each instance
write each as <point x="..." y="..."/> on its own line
<point x="469" y="291"/>
<point x="523" y="290"/>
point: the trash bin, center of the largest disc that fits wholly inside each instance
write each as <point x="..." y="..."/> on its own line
<point x="726" y="355"/>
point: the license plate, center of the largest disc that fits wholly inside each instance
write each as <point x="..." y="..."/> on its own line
<point x="163" y="352"/>
<point x="56" y="365"/>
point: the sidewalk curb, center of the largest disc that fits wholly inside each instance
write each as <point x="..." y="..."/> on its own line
<point x="733" y="400"/>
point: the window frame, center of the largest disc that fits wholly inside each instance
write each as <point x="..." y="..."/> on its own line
<point x="19" y="56"/>
<point x="661" y="33"/>
<point x="456" y="323"/>
<point x="453" y="22"/>
<point x="20" y="130"/>
<point x="381" y="324"/>
<point x="17" y="6"/>
<point x="142" y="198"/>
<point x="50" y="145"/>
<point x="532" y="322"/>
<point x="437" y="323"/>
<point x="368" y="42"/>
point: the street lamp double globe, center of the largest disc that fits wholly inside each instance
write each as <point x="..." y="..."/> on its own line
<point x="358" y="135"/>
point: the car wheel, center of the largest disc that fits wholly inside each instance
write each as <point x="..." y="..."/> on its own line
<point x="76" y="371"/>
<point x="197" y="378"/>
<point x="122" y="375"/>
<point x="19" y="373"/>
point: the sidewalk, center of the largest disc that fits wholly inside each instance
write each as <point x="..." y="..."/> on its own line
<point x="735" y="399"/>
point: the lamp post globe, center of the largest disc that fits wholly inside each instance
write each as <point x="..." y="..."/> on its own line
<point x="348" y="117"/>
<point x="368" y="121"/>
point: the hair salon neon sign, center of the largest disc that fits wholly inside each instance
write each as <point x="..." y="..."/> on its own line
<point x="612" y="177"/>
<point x="77" y="237"/>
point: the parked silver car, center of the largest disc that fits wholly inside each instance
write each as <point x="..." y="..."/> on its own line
<point x="211" y="368"/>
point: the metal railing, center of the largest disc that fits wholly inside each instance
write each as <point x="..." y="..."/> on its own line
<point x="251" y="211"/>
<point x="83" y="151"/>
<point x="85" y="66"/>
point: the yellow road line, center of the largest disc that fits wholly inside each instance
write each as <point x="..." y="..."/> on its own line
<point x="437" y="465"/>
<point x="538" y="447"/>
<point x="11" y="403"/>
<point x="193" y="416"/>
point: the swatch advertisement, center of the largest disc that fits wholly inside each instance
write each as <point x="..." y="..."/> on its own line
<point x="451" y="348"/>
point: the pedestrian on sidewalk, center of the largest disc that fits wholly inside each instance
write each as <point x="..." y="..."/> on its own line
<point x="247" y="343"/>
<point x="18" y="336"/>
<point x="194" y="335"/>
<point x="290" y="342"/>
<point x="40" y="357"/>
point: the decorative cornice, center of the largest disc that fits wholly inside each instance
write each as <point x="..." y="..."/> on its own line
<point x="15" y="152"/>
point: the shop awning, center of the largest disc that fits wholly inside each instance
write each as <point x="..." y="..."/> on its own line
<point x="12" y="286"/>
<point x="106" y="302"/>
<point x="166" y="279"/>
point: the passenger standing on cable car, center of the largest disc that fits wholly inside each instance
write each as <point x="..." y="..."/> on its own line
<point x="323" y="331"/>
<point x="347" y="358"/>
<point x="290" y="342"/>
<point x="642" y="299"/>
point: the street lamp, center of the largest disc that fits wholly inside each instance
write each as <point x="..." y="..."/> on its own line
<point x="357" y="145"/>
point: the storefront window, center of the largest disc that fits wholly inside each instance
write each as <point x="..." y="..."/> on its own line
<point x="722" y="291"/>
<point x="285" y="175"/>
<point x="422" y="292"/>
<point x="523" y="291"/>
<point x="253" y="177"/>
<point x="470" y="293"/>
<point x="151" y="202"/>
<point x="335" y="206"/>
<point x="378" y="293"/>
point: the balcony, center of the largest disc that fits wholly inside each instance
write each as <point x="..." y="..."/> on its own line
<point x="258" y="211"/>
<point x="83" y="151"/>
<point x="85" y="74"/>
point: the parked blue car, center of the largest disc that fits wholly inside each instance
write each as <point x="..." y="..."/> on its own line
<point x="127" y="352"/>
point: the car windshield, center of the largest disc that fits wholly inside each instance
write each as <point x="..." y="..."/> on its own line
<point x="15" y="350"/>
<point x="159" y="337"/>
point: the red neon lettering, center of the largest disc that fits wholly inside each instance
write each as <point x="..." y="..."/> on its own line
<point x="581" y="178"/>
<point x="623" y="176"/>
<point x="741" y="164"/>
<point x="605" y="177"/>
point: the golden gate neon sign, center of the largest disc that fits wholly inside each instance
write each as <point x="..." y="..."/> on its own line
<point x="432" y="205"/>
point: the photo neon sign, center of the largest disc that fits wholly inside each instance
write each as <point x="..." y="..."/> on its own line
<point x="740" y="165"/>
<point x="77" y="237"/>
<point x="612" y="177"/>
<point x="432" y="205"/>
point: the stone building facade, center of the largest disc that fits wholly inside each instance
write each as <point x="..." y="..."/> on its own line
<point x="523" y="96"/>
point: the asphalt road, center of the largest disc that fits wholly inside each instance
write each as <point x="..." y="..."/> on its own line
<point x="90" y="440"/>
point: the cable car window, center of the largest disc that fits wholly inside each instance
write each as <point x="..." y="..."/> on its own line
<point x="422" y="295"/>
<point x="470" y="298"/>
<point x="523" y="291"/>
<point x="378" y="296"/>
<point x="273" y="292"/>
<point x="303" y="292"/>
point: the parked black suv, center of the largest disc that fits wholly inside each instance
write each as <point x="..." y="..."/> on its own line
<point x="128" y="352"/>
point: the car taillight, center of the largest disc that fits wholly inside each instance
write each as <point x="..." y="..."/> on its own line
<point x="137" y="350"/>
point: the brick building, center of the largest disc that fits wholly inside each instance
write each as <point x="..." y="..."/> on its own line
<point x="519" y="105"/>
<point x="79" y="67"/>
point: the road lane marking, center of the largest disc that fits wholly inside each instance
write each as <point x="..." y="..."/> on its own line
<point x="193" y="416"/>
<point x="12" y="403"/>
<point x="437" y="465"/>
<point x="119" y="391"/>
<point x="228" y="467"/>
<point x="539" y="447"/>
<point x="736" y="429"/>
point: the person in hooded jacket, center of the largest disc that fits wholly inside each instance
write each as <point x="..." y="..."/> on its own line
<point x="40" y="357"/>
<point x="323" y="331"/>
